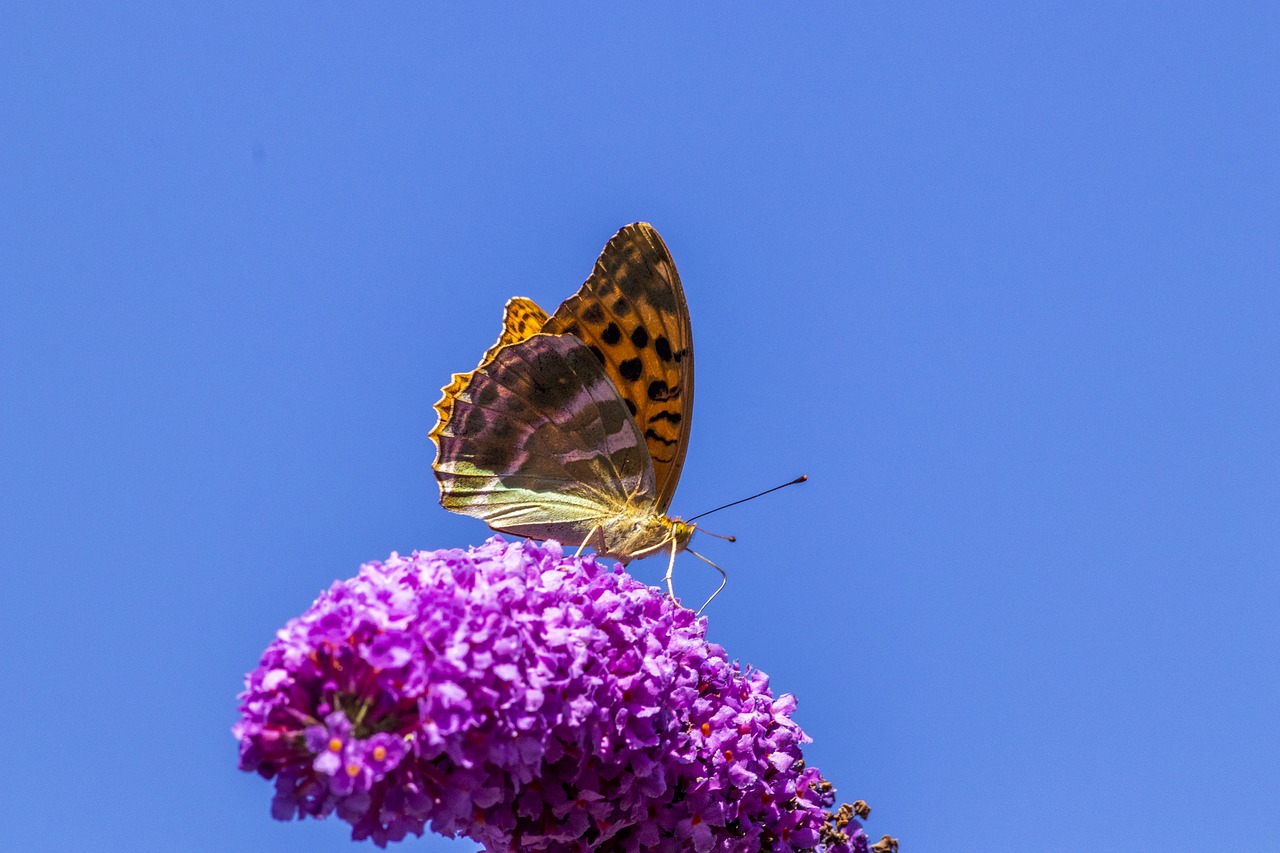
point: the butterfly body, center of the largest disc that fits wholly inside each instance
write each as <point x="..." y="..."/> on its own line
<point x="574" y="426"/>
<point x="636" y="534"/>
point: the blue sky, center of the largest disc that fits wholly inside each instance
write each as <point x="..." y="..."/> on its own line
<point x="1002" y="279"/>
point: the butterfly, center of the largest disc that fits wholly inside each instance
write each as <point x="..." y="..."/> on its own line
<point x="574" y="426"/>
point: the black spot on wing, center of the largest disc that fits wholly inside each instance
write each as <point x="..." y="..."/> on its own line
<point x="595" y="350"/>
<point x="485" y="393"/>
<point x="664" y="299"/>
<point x="611" y="334"/>
<point x="640" y="337"/>
<point x="659" y="392"/>
<point x="467" y="420"/>
<point x="495" y="456"/>
<point x="582" y="361"/>
<point x="663" y="347"/>
<point x="630" y="369"/>
<point x="612" y="417"/>
<point x="663" y="415"/>
<point x="593" y="313"/>
<point x="552" y="387"/>
<point x="650" y="434"/>
<point x="630" y="406"/>
<point x="631" y="279"/>
<point x="621" y="307"/>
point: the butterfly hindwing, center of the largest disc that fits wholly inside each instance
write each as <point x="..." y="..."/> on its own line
<point x="521" y="318"/>
<point x="539" y="443"/>
<point x="631" y="313"/>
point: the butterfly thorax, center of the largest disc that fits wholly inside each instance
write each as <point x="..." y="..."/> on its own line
<point x="638" y="534"/>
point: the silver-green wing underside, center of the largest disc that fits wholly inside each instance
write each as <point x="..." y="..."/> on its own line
<point x="540" y="444"/>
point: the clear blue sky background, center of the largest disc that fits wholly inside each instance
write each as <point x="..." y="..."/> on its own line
<point x="1002" y="279"/>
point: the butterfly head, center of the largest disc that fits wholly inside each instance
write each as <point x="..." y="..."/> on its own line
<point x="682" y="532"/>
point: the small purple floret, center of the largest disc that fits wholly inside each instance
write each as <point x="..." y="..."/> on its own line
<point x="528" y="701"/>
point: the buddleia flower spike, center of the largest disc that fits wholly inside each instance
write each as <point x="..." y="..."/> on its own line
<point x="529" y="701"/>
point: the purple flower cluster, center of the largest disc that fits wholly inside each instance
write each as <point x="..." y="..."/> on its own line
<point x="529" y="701"/>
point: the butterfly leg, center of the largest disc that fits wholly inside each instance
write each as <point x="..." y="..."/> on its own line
<point x="670" y="568"/>
<point x="724" y="578"/>
<point x="587" y="541"/>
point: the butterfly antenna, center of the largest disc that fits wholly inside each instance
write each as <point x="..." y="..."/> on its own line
<point x="799" y="479"/>
<point x="718" y="535"/>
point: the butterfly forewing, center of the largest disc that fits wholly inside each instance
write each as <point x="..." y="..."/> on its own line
<point x="631" y="313"/>
<point x="540" y="444"/>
